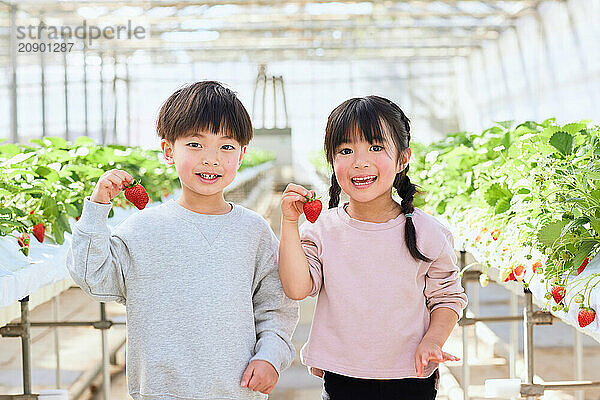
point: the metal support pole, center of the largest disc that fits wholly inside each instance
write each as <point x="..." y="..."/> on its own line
<point x="465" y="381"/>
<point x="43" y="82"/>
<point x="274" y="80"/>
<point x="102" y="124"/>
<point x="284" y="101"/>
<point x="66" y="86"/>
<point x="55" y="312"/>
<point x="528" y="336"/>
<point x="514" y="337"/>
<point x="128" y="103"/>
<point x="85" y="89"/>
<point x="264" y="99"/>
<point x="509" y="103"/>
<point x="578" y="362"/>
<point x="115" y="102"/>
<point x="522" y="59"/>
<point x="13" y="74"/>
<point x="105" y="355"/>
<point x="26" y="345"/>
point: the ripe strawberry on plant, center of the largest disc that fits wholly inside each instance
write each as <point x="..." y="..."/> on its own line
<point x="535" y="266"/>
<point x="583" y="265"/>
<point x="495" y="233"/>
<point x="586" y="316"/>
<point x="136" y="194"/>
<point x="39" y="231"/>
<point x="519" y="272"/>
<point x="23" y="241"/>
<point x="558" y="293"/>
<point x="312" y="208"/>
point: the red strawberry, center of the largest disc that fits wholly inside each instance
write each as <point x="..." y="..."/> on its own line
<point x="23" y="240"/>
<point x="495" y="233"/>
<point x="39" y="231"/>
<point x="586" y="316"/>
<point x="136" y="194"/>
<point x="519" y="272"/>
<point x="536" y="265"/>
<point x="510" y="277"/>
<point x="558" y="293"/>
<point x="31" y="212"/>
<point x="312" y="208"/>
<point x="583" y="265"/>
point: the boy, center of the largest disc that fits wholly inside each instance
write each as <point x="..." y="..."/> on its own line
<point x="206" y="314"/>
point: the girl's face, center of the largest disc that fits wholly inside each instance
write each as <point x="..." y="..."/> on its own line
<point x="367" y="171"/>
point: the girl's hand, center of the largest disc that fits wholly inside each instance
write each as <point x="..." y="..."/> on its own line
<point x="292" y="201"/>
<point x="430" y="351"/>
<point x="110" y="185"/>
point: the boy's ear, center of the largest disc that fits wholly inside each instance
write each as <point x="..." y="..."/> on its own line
<point x="167" y="149"/>
<point x="242" y="156"/>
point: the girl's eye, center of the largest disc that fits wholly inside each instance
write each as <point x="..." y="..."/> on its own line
<point x="228" y="147"/>
<point x="376" y="147"/>
<point x="345" y="151"/>
<point x="194" y="145"/>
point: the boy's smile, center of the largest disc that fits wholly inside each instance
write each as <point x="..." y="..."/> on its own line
<point x="206" y="164"/>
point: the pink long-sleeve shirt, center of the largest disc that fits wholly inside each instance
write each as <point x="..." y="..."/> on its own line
<point x="374" y="299"/>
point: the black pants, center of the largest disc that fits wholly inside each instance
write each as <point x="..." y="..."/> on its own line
<point x="340" y="387"/>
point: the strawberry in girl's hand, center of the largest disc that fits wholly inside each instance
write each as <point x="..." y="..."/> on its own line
<point x="136" y="194"/>
<point x="583" y="265"/>
<point x="558" y="293"/>
<point x="39" y="232"/>
<point x="586" y="316"/>
<point x="312" y="208"/>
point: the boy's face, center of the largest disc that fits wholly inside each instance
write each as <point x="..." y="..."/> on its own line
<point x="206" y="163"/>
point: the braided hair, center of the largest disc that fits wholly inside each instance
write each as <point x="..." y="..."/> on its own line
<point x="365" y="118"/>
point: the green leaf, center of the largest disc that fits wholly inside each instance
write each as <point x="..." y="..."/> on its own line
<point x="83" y="140"/>
<point x="574" y="224"/>
<point x="71" y="210"/>
<point x="58" y="141"/>
<point x="548" y="234"/>
<point x="496" y="192"/>
<point x="523" y="191"/>
<point x="563" y="142"/>
<point x="49" y="207"/>
<point x="502" y="206"/>
<point x="58" y="232"/>
<point x="506" y="124"/>
<point x="584" y="251"/>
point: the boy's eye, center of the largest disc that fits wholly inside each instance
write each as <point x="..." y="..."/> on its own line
<point x="345" y="151"/>
<point x="376" y="147"/>
<point x="228" y="147"/>
<point x="194" y="144"/>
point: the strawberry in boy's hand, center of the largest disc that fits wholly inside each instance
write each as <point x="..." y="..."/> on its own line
<point x="312" y="208"/>
<point x="136" y="194"/>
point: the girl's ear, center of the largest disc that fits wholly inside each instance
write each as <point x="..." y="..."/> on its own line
<point x="167" y="149"/>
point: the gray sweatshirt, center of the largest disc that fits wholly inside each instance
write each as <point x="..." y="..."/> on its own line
<point x="202" y="294"/>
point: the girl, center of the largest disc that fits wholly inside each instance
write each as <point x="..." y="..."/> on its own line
<point x="385" y="273"/>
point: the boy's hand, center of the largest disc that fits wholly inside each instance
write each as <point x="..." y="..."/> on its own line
<point x="430" y="351"/>
<point x="292" y="201"/>
<point x="260" y="376"/>
<point x="110" y="185"/>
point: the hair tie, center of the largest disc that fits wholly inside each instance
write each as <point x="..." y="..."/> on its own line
<point x="408" y="215"/>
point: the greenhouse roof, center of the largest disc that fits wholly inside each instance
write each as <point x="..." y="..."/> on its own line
<point x="267" y="30"/>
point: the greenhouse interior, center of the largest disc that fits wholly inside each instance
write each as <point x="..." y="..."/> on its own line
<point x="494" y="105"/>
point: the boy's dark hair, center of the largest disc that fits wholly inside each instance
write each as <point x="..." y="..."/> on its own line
<point x="372" y="118"/>
<point x="204" y="106"/>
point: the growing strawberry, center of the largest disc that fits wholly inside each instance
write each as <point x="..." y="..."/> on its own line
<point x="583" y="265"/>
<point x="535" y="266"/>
<point x="558" y="293"/>
<point x="136" y="194"/>
<point x="312" y="208"/>
<point x="39" y="232"/>
<point x="586" y="316"/>
<point x="23" y="241"/>
<point x="495" y="233"/>
<point x="519" y="272"/>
